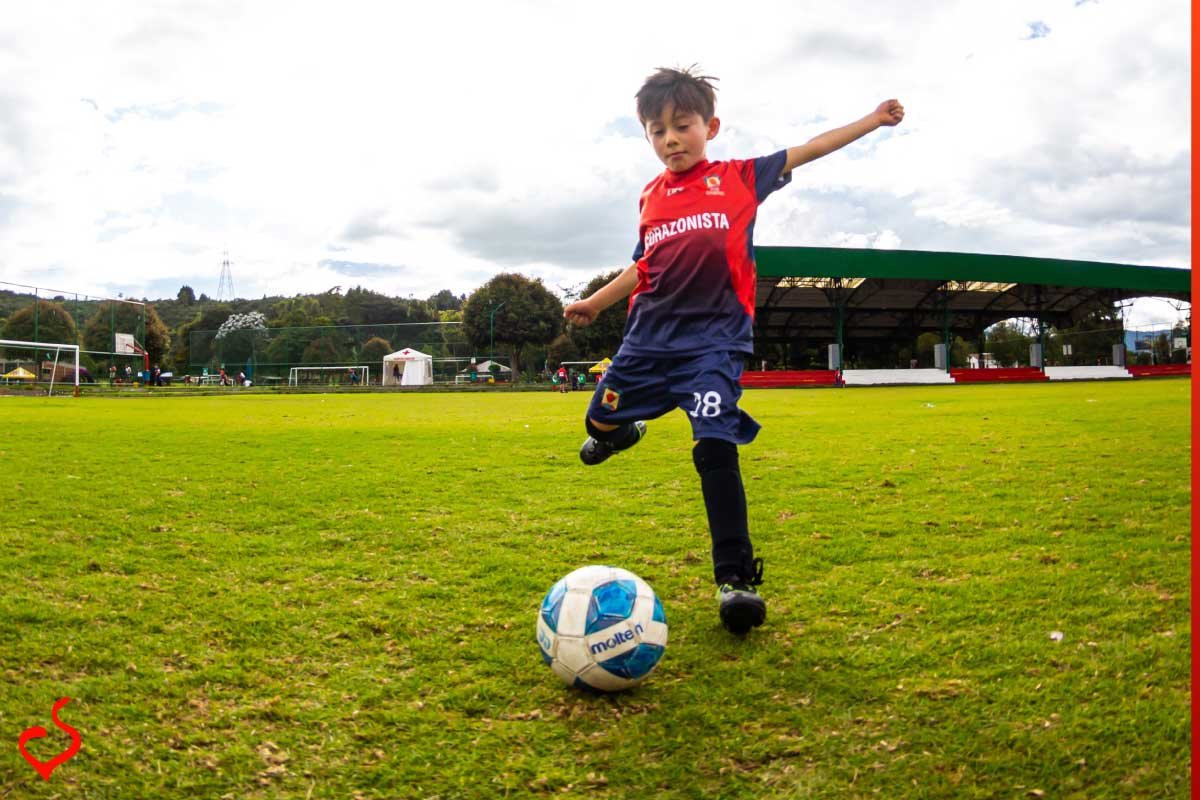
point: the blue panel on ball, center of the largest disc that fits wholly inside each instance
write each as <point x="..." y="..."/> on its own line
<point x="611" y="603"/>
<point x="553" y="604"/>
<point x="659" y="615"/>
<point x="546" y="657"/>
<point x="636" y="663"/>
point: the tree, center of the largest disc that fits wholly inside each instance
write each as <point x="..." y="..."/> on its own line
<point x="1008" y="343"/>
<point x="374" y="350"/>
<point x="446" y="301"/>
<point x="298" y="311"/>
<point x="1091" y="338"/>
<point x="241" y="337"/>
<point x="195" y="340"/>
<point x="116" y="317"/>
<point x="602" y="337"/>
<point x="516" y="311"/>
<point x="186" y="296"/>
<point x="322" y="351"/>
<point x="925" y="344"/>
<point x="42" y="321"/>
<point x="563" y="348"/>
<point x="365" y="307"/>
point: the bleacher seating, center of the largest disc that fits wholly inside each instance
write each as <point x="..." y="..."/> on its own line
<point x="781" y="379"/>
<point x="1005" y="375"/>
<point x="1159" y="370"/>
<point x="1100" y="373"/>
<point x="895" y="377"/>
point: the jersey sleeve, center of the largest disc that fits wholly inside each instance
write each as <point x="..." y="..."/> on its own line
<point x="639" y="251"/>
<point x="766" y="174"/>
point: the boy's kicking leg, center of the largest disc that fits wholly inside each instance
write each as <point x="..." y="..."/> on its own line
<point x="604" y="440"/>
<point x="633" y="389"/>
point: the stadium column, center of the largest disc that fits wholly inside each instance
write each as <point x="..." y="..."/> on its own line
<point x="946" y="332"/>
<point x="982" y="339"/>
<point x="1041" y="328"/>
<point x="841" y="339"/>
<point x="944" y="302"/>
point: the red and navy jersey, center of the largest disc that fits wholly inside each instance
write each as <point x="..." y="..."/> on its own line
<point x="695" y="258"/>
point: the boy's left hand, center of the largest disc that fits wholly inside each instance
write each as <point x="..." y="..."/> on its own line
<point x="889" y="113"/>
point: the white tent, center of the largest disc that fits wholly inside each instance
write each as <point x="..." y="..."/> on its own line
<point x="483" y="369"/>
<point x="417" y="369"/>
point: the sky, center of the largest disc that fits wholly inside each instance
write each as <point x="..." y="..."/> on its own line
<point x="414" y="147"/>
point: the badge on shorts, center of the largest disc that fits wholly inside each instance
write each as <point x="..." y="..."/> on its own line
<point x="611" y="399"/>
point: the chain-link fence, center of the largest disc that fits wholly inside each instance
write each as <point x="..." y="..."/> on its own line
<point x="267" y="354"/>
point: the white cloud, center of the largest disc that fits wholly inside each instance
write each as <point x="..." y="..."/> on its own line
<point x="459" y="139"/>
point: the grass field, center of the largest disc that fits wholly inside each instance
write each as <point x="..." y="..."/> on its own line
<point x="334" y="596"/>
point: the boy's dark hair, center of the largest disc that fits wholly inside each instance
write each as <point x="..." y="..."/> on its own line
<point x="682" y="88"/>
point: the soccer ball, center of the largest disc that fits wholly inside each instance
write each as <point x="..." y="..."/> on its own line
<point x="601" y="628"/>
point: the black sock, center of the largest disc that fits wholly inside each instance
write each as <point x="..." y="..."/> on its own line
<point x="725" y="501"/>
<point x="621" y="438"/>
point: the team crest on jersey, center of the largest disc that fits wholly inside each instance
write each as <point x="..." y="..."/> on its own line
<point x="713" y="184"/>
<point x="611" y="399"/>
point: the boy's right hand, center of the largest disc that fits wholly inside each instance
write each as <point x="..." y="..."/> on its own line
<point x="581" y="313"/>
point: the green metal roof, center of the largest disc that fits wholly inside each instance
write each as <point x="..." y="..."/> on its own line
<point x="888" y="293"/>
<point x="836" y="262"/>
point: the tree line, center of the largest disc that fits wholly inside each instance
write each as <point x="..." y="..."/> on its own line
<point x="511" y="316"/>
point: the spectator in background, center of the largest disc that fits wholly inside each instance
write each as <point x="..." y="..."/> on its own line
<point x="112" y="374"/>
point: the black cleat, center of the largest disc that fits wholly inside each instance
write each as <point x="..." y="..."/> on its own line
<point x="741" y="606"/>
<point x="595" y="451"/>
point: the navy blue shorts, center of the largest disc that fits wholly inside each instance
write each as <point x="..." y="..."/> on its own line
<point x="706" y="386"/>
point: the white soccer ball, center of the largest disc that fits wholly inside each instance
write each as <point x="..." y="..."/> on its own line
<point x="602" y="628"/>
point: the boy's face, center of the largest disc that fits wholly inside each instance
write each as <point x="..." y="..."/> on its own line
<point x="680" y="138"/>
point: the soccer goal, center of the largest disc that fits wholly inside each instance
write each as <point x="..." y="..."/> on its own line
<point x="39" y="362"/>
<point x="329" y="376"/>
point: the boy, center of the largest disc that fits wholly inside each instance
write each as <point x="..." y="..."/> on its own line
<point x="691" y="311"/>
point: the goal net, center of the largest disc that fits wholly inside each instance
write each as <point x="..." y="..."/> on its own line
<point x="329" y="376"/>
<point x="39" y="363"/>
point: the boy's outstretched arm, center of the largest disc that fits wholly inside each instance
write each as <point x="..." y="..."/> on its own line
<point x="584" y="312"/>
<point x="890" y="112"/>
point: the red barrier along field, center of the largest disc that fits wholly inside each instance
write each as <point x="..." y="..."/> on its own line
<point x="1159" y="370"/>
<point x="1005" y="375"/>
<point x="779" y="379"/>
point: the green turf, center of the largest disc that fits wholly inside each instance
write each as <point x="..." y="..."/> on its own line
<point x="335" y="597"/>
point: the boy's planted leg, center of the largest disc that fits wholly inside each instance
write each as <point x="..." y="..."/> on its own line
<point x="604" y="440"/>
<point x="736" y="570"/>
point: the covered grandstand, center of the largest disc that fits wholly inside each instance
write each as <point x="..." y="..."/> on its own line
<point x="864" y="301"/>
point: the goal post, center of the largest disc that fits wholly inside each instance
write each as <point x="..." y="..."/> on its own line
<point x="53" y="372"/>
<point x="357" y="375"/>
